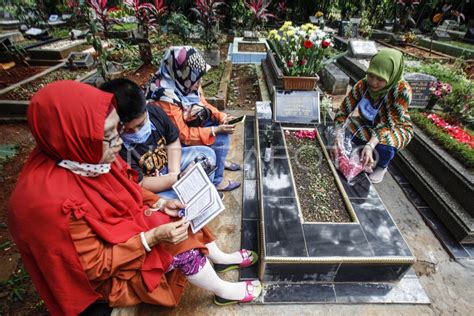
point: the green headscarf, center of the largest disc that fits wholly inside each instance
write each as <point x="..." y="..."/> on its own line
<point x="388" y="65"/>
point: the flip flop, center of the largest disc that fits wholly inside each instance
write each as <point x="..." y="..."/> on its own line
<point x="246" y="262"/>
<point x="231" y="186"/>
<point x="251" y="293"/>
<point x="232" y="167"/>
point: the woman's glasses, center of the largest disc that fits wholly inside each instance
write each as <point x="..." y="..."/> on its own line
<point x="115" y="140"/>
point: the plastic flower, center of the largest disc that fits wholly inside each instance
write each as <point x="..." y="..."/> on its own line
<point x="325" y="44"/>
<point x="308" y="44"/>
<point x="289" y="63"/>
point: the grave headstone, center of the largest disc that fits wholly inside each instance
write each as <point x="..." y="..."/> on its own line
<point x="441" y="35"/>
<point x="334" y="80"/>
<point x="450" y="24"/>
<point x="78" y="34"/>
<point x="300" y="107"/>
<point x="344" y="25"/>
<point x="80" y="60"/>
<point x="263" y="110"/>
<point x="66" y="17"/>
<point x="420" y="84"/>
<point x="362" y="49"/>
<point x="53" y="18"/>
<point x="34" y="32"/>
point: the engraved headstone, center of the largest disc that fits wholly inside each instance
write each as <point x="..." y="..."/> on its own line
<point x="362" y="49"/>
<point x="301" y="107"/>
<point x="420" y="84"/>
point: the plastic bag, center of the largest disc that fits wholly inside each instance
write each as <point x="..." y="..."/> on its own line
<point x="345" y="159"/>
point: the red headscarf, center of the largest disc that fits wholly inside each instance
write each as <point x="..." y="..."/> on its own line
<point x="67" y="119"/>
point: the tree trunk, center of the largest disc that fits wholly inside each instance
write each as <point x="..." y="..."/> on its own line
<point x="145" y="51"/>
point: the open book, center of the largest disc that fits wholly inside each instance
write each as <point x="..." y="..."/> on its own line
<point x="203" y="203"/>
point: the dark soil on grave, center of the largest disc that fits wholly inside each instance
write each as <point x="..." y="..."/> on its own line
<point x="30" y="304"/>
<point x="243" y="88"/>
<point x="142" y="75"/>
<point x="422" y="53"/>
<point x="26" y="91"/>
<point x="319" y="197"/>
<point x="18" y="73"/>
<point x="253" y="48"/>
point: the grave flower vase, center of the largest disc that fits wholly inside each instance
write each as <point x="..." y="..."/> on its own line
<point x="300" y="83"/>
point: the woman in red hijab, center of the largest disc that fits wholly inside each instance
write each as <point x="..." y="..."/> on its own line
<point x="79" y="219"/>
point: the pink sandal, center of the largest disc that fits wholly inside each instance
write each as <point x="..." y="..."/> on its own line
<point x="246" y="262"/>
<point x="251" y="293"/>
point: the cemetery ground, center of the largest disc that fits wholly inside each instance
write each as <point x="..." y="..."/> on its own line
<point x="437" y="164"/>
<point x="448" y="283"/>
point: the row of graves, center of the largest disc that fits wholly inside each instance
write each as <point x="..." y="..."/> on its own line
<point x="32" y="58"/>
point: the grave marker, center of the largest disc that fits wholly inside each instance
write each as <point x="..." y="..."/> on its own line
<point x="334" y="80"/>
<point x="300" y="107"/>
<point x="362" y="49"/>
<point x="420" y="84"/>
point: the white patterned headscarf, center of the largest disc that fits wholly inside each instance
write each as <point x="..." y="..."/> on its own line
<point x="180" y="69"/>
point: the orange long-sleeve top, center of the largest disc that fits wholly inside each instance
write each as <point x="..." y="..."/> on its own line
<point x="192" y="135"/>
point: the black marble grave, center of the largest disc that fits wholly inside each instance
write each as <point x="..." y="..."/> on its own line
<point x="420" y="84"/>
<point x="364" y="261"/>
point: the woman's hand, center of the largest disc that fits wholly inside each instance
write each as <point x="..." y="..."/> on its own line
<point x="169" y="207"/>
<point x="225" y="129"/>
<point x="173" y="233"/>
<point x="227" y="118"/>
<point x="367" y="156"/>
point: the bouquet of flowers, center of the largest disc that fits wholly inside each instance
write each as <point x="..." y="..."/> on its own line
<point x="299" y="50"/>
<point x="438" y="90"/>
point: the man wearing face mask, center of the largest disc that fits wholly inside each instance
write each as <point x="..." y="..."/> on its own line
<point x="375" y="112"/>
<point x="151" y="140"/>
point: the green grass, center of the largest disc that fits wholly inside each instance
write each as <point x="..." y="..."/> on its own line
<point x="461" y="44"/>
<point x="124" y="27"/>
<point x="214" y="75"/>
<point x="462" y="152"/>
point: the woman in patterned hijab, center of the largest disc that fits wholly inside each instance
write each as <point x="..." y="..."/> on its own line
<point x="176" y="88"/>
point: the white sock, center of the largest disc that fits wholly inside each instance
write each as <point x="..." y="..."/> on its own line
<point x="218" y="256"/>
<point x="208" y="280"/>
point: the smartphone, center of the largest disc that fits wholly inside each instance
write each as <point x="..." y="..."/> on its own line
<point x="236" y="120"/>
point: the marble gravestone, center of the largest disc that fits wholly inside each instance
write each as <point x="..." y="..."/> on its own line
<point x="299" y="107"/>
<point x="362" y="49"/>
<point x="420" y="84"/>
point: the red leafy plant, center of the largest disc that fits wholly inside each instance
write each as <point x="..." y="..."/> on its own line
<point x="259" y="12"/>
<point x="147" y="15"/>
<point x="101" y="11"/>
<point x="209" y="17"/>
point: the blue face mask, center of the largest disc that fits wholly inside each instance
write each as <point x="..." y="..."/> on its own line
<point x="367" y="110"/>
<point x="140" y="136"/>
